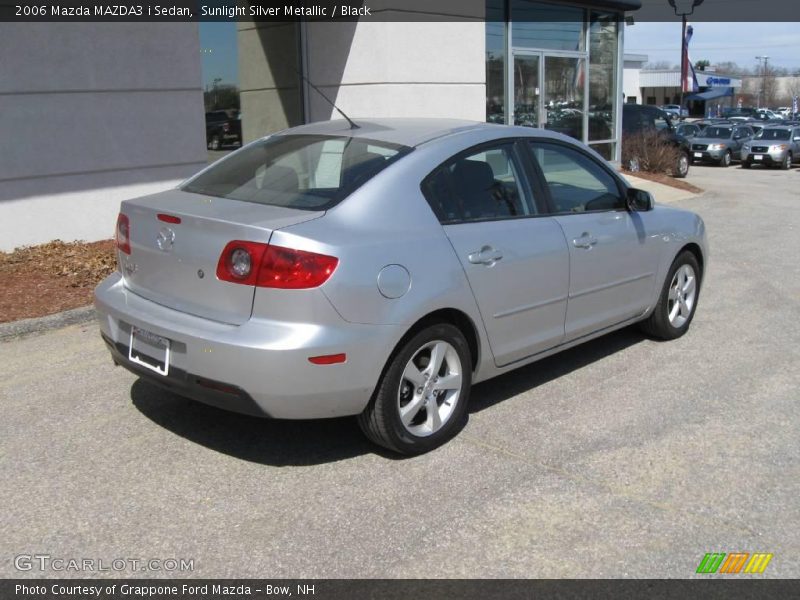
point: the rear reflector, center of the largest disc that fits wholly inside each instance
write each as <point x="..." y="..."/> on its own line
<point x="262" y="265"/>
<point x="217" y="386"/>
<point x="328" y="359"/>
<point x="123" y="234"/>
<point x="169" y="218"/>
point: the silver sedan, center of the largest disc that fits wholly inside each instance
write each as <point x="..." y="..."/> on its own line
<point x="380" y="271"/>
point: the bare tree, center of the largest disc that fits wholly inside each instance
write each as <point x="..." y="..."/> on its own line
<point x="661" y="65"/>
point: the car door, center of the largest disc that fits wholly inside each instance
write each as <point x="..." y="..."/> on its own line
<point x="613" y="256"/>
<point x="514" y="256"/>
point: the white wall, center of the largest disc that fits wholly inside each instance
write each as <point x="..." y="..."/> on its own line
<point x="630" y="83"/>
<point x="434" y="69"/>
<point x="93" y="113"/>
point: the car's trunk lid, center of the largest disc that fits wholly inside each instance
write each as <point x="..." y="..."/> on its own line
<point x="175" y="263"/>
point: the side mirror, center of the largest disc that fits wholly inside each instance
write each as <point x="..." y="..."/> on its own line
<point x="639" y="200"/>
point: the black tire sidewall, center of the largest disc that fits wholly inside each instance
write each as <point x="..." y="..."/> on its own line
<point x="386" y="398"/>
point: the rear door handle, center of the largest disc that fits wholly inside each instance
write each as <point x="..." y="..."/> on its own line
<point x="586" y="241"/>
<point x="485" y="256"/>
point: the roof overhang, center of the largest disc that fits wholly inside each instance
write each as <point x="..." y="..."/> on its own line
<point x="712" y="94"/>
<point x="626" y="5"/>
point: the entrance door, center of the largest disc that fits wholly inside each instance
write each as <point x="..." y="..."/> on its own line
<point x="549" y="91"/>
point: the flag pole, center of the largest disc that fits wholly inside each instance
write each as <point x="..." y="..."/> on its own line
<point x="683" y="63"/>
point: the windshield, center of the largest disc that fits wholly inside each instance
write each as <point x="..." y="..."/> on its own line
<point x="774" y="134"/>
<point x="722" y="133"/>
<point x="309" y="172"/>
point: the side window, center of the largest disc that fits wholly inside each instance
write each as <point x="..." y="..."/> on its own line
<point x="479" y="186"/>
<point x="660" y="121"/>
<point x="576" y="182"/>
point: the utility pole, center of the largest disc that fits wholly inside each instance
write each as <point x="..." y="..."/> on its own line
<point x="763" y="80"/>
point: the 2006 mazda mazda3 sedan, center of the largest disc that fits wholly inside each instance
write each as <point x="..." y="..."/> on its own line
<point x="380" y="271"/>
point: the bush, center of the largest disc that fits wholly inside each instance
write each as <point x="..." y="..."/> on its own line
<point x="648" y="151"/>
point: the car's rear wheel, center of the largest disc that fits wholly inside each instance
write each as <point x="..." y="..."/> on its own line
<point x="421" y="399"/>
<point x="676" y="305"/>
<point x="787" y="162"/>
<point x="725" y="161"/>
<point x="681" y="166"/>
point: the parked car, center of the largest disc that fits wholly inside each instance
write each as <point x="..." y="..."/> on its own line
<point x="675" y="109"/>
<point x="773" y="146"/>
<point x="784" y="112"/>
<point x="222" y="128"/>
<point x="762" y="114"/>
<point x="380" y="271"/>
<point x="720" y="144"/>
<point x="637" y="118"/>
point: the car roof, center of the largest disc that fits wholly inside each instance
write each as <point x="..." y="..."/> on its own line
<point x="402" y="131"/>
<point x="417" y="131"/>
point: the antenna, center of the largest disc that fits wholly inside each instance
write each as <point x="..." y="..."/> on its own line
<point x="328" y="100"/>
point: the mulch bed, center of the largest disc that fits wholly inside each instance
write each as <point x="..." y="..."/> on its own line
<point x="40" y="280"/>
<point x="665" y="180"/>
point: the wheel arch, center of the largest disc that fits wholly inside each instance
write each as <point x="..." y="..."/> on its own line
<point x="695" y="249"/>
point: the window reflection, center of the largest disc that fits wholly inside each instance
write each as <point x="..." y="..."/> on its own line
<point x="602" y="85"/>
<point x="548" y="26"/>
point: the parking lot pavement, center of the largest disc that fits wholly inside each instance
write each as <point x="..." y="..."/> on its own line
<point x="623" y="457"/>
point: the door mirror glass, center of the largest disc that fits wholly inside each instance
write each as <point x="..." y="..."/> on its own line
<point x="639" y="200"/>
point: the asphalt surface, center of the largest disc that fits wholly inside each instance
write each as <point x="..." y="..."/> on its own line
<point x="622" y="458"/>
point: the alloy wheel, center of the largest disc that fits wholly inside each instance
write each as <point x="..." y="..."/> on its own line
<point x="430" y="387"/>
<point x="682" y="296"/>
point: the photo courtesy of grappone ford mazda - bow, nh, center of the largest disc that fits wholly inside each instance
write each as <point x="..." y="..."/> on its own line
<point x="380" y="270"/>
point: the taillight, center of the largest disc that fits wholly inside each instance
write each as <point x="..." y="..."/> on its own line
<point x="123" y="235"/>
<point x="262" y="265"/>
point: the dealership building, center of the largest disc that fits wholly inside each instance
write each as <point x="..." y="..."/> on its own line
<point x="94" y="113"/>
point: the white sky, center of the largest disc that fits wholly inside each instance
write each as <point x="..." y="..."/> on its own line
<point x="737" y="42"/>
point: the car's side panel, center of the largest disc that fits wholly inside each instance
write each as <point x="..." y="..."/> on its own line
<point x="612" y="280"/>
<point x="523" y="296"/>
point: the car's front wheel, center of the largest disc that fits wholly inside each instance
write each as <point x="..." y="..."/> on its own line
<point x="681" y="169"/>
<point x="421" y="399"/>
<point x="676" y="305"/>
<point x="725" y="161"/>
<point x="746" y="164"/>
<point x="787" y="162"/>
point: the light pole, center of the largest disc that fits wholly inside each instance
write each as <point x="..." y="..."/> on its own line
<point x="683" y="8"/>
<point x="763" y="80"/>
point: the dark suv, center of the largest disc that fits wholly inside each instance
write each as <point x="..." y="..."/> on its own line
<point x="637" y="118"/>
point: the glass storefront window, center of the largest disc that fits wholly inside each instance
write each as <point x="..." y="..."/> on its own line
<point x="604" y="150"/>
<point x="495" y="61"/>
<point x="564" y="92"/>
<point x="603" y="52"/>
<point x="547" y="26"/>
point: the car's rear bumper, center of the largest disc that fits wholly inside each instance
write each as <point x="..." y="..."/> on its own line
<point x="261" y="367"/>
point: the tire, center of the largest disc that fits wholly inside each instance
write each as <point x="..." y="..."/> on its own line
<point x="746" y="164"/>
<point x="660" y="324"/>
<point x="681" y="169"/>
<point x="215" y="143"/>
<point x="421" y="429"/>
<point x="725" y="161"/>
<point x="787" y="162"/>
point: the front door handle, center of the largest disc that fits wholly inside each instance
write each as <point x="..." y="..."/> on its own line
<point x="485" y="256"/>
<point x="586" y="241"/>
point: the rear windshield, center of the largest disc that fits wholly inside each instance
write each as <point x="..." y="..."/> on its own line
<point x="774" y="134"/>
<point x="309" y="172"/>
<point x="717" y="132"/>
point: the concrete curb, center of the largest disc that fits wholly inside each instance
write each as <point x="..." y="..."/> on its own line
<point x="14" y="329"/>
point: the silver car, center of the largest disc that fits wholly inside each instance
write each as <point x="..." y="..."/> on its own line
<point x="380" y="271"/>
<point x="720" y="143"/>
<point x="774" y="145"/>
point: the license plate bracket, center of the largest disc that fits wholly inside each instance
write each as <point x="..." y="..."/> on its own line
<point x="149" y="350"/>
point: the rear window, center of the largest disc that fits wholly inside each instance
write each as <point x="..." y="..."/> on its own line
<point x="297" y="171"/>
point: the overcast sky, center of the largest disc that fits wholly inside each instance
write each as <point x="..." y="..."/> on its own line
<point x="737" y="42"/>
